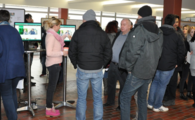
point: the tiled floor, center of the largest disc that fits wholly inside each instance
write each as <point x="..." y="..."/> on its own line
<point x="181" y="111"/>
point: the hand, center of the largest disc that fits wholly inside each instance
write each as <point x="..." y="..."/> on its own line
<point x="191" y="52"/>
<point x="129" y="72"/>
<point x="176" y="66"/>
<point x="65" y="53"/>
<point x="69" y="37"/>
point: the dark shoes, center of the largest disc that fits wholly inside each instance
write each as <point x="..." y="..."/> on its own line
<point x="193" y="105"/>
<point x="182" y="96"/>
<point x="169" y="102"/>
<point x="118" y="108"/>
<point x="42" y="75"/>
<point x="33" y="83"/>
<point x="189" y="95"/>
<point x="107" y="104"/>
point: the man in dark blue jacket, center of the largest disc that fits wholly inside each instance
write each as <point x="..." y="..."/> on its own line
<point x="11" y="64"/>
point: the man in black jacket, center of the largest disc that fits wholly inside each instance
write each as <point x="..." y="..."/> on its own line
<point x="89" y="51"/>
<point x="140" y="56"/>
<point x="172" y="55"/>
<point x="170" y="94"/>
<point x="114" y="73"/>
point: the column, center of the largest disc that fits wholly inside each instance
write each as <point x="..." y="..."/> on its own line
<point x="63" y="13"/>
<point x="172" y="7"/>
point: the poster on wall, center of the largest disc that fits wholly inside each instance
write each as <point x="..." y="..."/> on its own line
<point x="16" y="15"/>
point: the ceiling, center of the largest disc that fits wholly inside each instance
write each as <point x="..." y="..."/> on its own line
<point x="128" y="6"/>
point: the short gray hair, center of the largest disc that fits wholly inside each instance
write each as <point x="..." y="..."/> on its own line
<point x="127" y="20"/>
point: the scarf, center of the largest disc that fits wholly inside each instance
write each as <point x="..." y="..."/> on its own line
<point x="4" y="23"/>
<point x="58" y="37"/>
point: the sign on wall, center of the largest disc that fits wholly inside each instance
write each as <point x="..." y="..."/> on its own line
<point x="16" y="15"/>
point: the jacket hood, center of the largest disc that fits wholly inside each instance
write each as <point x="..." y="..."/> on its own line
<point x="167" y="29"/>
<point x="153" y="36"/>
<point x="151" y="28"/>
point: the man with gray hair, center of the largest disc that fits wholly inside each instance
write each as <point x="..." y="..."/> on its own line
<point x="89" y="51"/>
<point x="114" y="73"/>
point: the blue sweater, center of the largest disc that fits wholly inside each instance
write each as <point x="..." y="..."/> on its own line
<point x="11" y="54"/>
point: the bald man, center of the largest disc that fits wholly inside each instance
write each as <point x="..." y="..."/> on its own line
<point x="114" y="72"/>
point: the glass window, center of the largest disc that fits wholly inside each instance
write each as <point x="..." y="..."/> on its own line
<point x="76" y="17"/>
<point x="105" y="21"/>
<point x="126" y="15"/>
<point x="1" y="5"/>
<point x="37" y="16"/>
<point x="28" y="8"/>
<point x="81" y="12"/>
<point x="108" y="13"/>
<point x="158" y="23"/>
<point x="98" y="19"/>
<point x="53" y="15"/>
<point x="158" y="18"/>
<point x="52" y="9"/>
<point x="98" y="13"/>
<point x="74" y="11"/>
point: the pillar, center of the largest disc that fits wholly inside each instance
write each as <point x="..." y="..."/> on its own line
<point x="63" y="14"/>
<point x="172" y="7"/>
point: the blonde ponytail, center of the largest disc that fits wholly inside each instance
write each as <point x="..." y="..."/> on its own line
<point x="50" y="23"/>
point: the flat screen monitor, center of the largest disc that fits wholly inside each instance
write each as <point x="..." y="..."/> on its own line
<point x="67" y="30"/>
<point x="29" y="31"/>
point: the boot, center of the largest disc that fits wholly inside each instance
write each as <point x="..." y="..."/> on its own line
<point x="190" y="95"/>
<point x="182" y="96"/>
<point x="105" y="85"/>
<point x="193" y="99"/>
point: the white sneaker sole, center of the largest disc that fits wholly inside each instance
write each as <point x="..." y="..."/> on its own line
<point x="160" y="111"/>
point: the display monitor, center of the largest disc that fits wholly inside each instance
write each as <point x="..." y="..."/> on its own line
<point x="67" y="30"/>
<point x="29" y="31"/>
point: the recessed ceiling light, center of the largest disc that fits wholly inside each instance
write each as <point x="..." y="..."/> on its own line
<point x="116" y="2"/>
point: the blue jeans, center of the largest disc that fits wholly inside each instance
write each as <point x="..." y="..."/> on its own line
<point x="132" y="85"/>
<point x="158" y="87"/>
<point x="9" y="96"/>
<point x="82" y="86"/>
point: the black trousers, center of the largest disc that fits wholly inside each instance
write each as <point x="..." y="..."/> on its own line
<point x="114" y="74"/>
<point x="185" y="71"/>
<point x="54" y="72"/>
<point x="172" y="86"/>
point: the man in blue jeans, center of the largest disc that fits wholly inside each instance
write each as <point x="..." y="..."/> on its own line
<point x="89" y="51"/>
<point x="173" y="54"/>
<point x="140" y="56"/>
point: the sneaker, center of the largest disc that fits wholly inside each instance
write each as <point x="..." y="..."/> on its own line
<point x="51" y="113"/>
<point x="150" y="106"/>
<point x="161" y="109"/>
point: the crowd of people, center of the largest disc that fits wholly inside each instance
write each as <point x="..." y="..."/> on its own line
<point x="137" y="56"/>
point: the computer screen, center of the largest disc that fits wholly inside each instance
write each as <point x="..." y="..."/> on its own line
<point x="68" y="30"/>
<point x="29" y="31"/>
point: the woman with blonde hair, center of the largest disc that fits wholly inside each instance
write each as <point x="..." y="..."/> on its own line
<point x="54" y="52"/>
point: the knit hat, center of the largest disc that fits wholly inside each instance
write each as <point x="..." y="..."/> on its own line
<point x="145" y="11"/>
<point x="89" y="15"/>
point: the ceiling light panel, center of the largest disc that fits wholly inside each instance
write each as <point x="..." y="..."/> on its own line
<point x="116" y="2"/>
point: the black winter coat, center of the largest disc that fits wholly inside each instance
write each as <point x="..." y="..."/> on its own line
<point x="90" y="47"/>
<point x="173" y="49"/>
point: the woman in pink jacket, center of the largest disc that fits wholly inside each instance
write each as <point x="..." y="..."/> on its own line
<point x="54" y="52"/>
